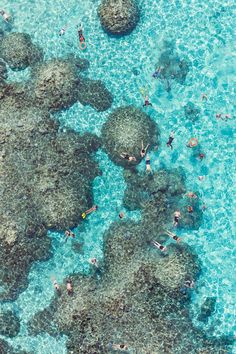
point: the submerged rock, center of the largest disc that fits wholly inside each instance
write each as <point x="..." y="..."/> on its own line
<point x="9" y="324"/>
<point x="207" y="309"/>
<point x="118" y="17"/>
<point x="46" y="182"/>
<point x="18" y="51"/>
<point x="3" y="71"/>
<point x="5" y="348"/>
<point x="95" y="94"/>
<point x="124" y="132"/>
<point x="137" y="294"/>
<point x="191" y="111"/>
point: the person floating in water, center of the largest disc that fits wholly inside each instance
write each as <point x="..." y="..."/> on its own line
<point x="159" y="246"/>
<point x="56" y="286"/>
<point x="148" y="164"/>
<point x="204" y="97"/>
<point x="143" y="150"/>
<point x="80" y="33"/>
<point x="62" y="31"/>
<point x="121" y="347"/>
<point x="5" y="16"/>
<point x="191" y="195"/>
<point x="171" y="138"/>
<point x="172" y="235"/>
<point x="177" y="216"/>
<point x="94" y="262"/>
<point x="69" y="287"/>
<point x="157" y="73"/>
<point x="121" y="215"/>
<point x="146" y="102"/>
<point x="190" y="209"/>
<point x="201" y="156"/>
<point x="89" y="211"/>
<point x="68" y="234"/>
<point x="126" y="156"/>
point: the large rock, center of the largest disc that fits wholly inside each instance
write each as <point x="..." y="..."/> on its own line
<point x="137" y="294"/>
<point x="124" y="131"/>
<point x="46" y="183"/>
<point x="118" y="17"/>
<point x="18" y="51"/>
<point x="9" y="324"/>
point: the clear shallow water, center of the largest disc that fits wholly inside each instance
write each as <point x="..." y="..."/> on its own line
<point x="203" y="33"/>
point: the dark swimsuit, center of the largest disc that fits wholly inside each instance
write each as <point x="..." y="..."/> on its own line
<point x="175" y="238"/>
<point x="126" y="157"/>
<point x="177" y="219"/>
<point x="148" y="162"/>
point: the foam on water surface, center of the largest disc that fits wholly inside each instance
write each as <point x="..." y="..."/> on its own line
<point x="202" y="33"/>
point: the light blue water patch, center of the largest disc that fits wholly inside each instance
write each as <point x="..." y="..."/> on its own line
<point x="202" y="33"/>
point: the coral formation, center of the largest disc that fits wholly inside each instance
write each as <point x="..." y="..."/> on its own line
<point x="124" y="132"/>
<point x="45" y="178"/>
<point x="171" y="66"/>
<point x="5" y="348"/>
<point x="118" y="17"/>
<point x="18" y="51"/>
<point x="9" y="324"/>
<point x="3" y="71"/>
<point x="137" y="301"/>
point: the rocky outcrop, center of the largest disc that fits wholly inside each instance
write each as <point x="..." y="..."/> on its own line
<point x="18" y="51"/>
<point x="118" y="17"/>
<point x="5" y="348"/>
<point x="124" y="132"/>
<point x="9" y="324"/>
<point x="191" y="111"/>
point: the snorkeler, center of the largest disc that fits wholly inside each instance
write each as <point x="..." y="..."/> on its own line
<point x="56" y="286"/>
<point x="143" y="150"/>
<point x="89" y="211"/>
<point x="172" y="235"/>
<point x="157" y="73"/>
<point x="94" y="262"/>
<point x="5" y="16"/>
<point x="120" y="347"/>
<point x="62" y="31"/>
<point x="121" y="215"/>
<point x="126" y="156"/>
<point x="191" y="195"/>
<point x="190" y="209"/>
<point x="171" y="138"/>
<point x="80" y="33"/>
<point x="159" y="246"/>
<point x="177" y="216"/>
<point x="204" y="97"/>
<point x="69" y="287"/>
<point x="68" y="234"/>
<point x="146" y="102"/>
<point x="148" y="164"/>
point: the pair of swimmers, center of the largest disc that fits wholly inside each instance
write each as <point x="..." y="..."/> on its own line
<point x="130" y="158"/>
<point x="69" y="286"/>
<point x="80" y="33"/>
<point x="161" y="247"/>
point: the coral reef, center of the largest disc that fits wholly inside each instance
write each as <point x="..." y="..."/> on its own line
<point x="191" y="111"/>
<point x="207" y="309"/>
<point x="45" y="178"/>
<point x="3" y="71"/>
<point x="124" y="132"/>
<point x="137" y="301"/>
<point x="171" y="66"/>
<point x="95" y="94"/>
<point x="118" y="17"/>
<point x="5" y="348"/>
<point x="9" y="324"/>
<point x="18" y="51"/>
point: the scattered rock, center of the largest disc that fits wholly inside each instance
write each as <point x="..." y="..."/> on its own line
<point x="118" y="17"/>
<point x="9" y="324"/>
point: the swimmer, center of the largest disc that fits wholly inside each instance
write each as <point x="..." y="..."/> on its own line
<point x="94" y="262"/>
<point x="68" y="234"/>
<point x="192" y="143"/>
<point x="204" y="207"/>
<point x="119" y="347"/>
<point x="201" y="178"/>
<point x="218" y="115"/>
<point x="143" y="150"/>
<point x="62" y="31"/>
<point x="5" y="16"/>
<point x="171" y="138"/>
<point x="189" y="284"/>
<point x="191" y="195"/>
<point x="69" y="287"/>
<point x="80" y="33"/>
<point x="201" y="156"/>
<point x="148" y="164"/>
<point x="89" y="211"/>
<point x="126" y="156"/>
<point x="146" y="102"/>
<point x="177" y="216"/>
<point x="56" y="286"/>
<point x="121" y="215"/>
<point x="159" y="246"/>
<point x="157" y="72"/>
<point x="227" y="116"/>
<point x="190" y="209"/>
<point x="204" y="97"/>
<point x="172" y="235"/>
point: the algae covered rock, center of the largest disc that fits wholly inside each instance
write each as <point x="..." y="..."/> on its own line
<point x="95" y="94"/>
<point x="124" y="132"/>
<point x="9" y="324"/>
<point x="3" y="71"/>
<point x="18" y="51"/>
<point x="118" y="17"/>
<point x="191" y="111"/>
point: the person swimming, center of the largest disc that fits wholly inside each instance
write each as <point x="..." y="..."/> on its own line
<point x="56" y="286"/>
<point x="5" y="16"/>
<point x="94" y="262"/>
<point x="148" y="164"/>
<point x="62" y="31"/>
<point x="68" y="234"/>
<point x="144" y="150"/>
<point x="157" y="73"/>
<point x="177" y="216"/>
<point x="158" y="245"/>
<point x="80" y="33"/>
<point x="146" y="102"/>
<point x="126" y="156"/>
<point x="69" y="287"/>
<point x="89" y="211"/>
<point x="171" y="138"/>
<point x="172" y="235"/>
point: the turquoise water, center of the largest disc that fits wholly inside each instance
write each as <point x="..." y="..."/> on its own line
<point x="203" y="33"/>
